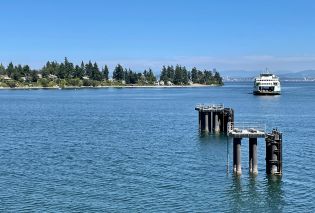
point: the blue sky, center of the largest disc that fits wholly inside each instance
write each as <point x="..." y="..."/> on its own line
<point x="227" y="35"/>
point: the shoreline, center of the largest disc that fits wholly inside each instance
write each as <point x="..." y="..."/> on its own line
<point x="111" y="86"/>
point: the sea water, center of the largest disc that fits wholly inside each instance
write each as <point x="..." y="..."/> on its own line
<point x="139" y="150"/>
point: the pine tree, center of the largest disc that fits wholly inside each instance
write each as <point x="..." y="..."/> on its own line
<point x="96" y="74"/>
<point x="163" y="76"/>
<point x="89" y="69"/>
<point x="105" y="72"/>
<point x="150" y="78"/>
<point x="178" y="78"/>
<point x="2" y="70"/>
<point x="34" y="76"/>
<point x="194" y="75"/>
<point x="78" y="72"/>
<point x="170" y="73"/>
<point x="118" y="73"/>
<point x="218" y="78"/>
<point x="69" y="68"/>
<point x="184" y="76"/>
<point x="82" y="66"/>
<point x="61" y="71"/>
<point x="10" y="69"/>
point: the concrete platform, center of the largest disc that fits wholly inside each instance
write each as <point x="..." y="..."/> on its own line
<point x="247" y="130"/>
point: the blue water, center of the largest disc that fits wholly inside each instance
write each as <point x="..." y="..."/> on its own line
<point x="139" y="150"/>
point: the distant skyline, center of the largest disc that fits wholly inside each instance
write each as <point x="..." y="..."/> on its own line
<point x="226" y="35"/>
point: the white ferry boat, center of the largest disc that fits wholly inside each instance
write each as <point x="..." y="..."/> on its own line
<point x="267" y="84"/>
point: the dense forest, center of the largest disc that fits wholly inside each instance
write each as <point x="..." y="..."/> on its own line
<point x="67" y="74"/>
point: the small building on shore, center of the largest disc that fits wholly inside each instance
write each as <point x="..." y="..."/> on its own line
<point x="85" y="78"/>
<point x="169" y="83"/>
<point x="5" y="78"/>
<point x="53" y="77"/>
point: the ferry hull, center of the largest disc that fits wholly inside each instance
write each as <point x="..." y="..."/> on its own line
<point x="266" y="93"/>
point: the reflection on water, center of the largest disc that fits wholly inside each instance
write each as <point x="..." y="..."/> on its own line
<point x="249" y="194"/>
<point x="252" y="187"/>
<point x="218" y="140"/>
<point x="274" y="193"/>
<point x="237" y="193"/>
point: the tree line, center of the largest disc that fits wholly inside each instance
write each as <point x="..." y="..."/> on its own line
<point x="90" y="74"/>
<point x="180" y="75"/>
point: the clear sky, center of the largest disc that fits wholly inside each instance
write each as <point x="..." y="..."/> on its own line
<point x="227" y="35"/>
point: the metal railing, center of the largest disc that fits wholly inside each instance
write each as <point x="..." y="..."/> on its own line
<point x="248" y="126"/>
<point x="210" y="106"/>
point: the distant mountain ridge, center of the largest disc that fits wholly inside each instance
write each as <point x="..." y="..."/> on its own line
<point x="301" y="74"/>
<point x="281" y="74"/>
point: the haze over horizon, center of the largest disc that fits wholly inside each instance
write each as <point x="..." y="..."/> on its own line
<point x="242" y="35"/>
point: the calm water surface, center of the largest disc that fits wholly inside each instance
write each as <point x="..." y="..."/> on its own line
<point x="139" y="150"/>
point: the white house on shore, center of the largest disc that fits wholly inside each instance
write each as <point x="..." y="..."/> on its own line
<point x="169" y="83"/>
<point x="5" y="77"/>
<point x="85" y="78"/>
<point x="50" y="76"/>
<point x="161" y="83"/>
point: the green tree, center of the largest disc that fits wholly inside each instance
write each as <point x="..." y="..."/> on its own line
<point x="149" y="76"/>
<point x="194" y="75"/>
<point x="218" y="78"/>
<point x="118" y="73"/>
<point x="89" y="69"/>
<point x="189" y="75"/>
<point x="185" y="78"/>
<point x="178" y="78"/>
<point x="200" y="77"/>
<point x="78" y="72"/>
<point x="10" y="70"/>
<point x="26" y="71"/>
<point x="61" y="71"/>
<point x="2" y="70"/>
<point x="44" y="82"/>
<point x="82" y="66"/>
<point x="170" y="73"/>
<point x="34" y="76"/>
<point x="105" y="72"/>
<point x="17" y="72"/>
<point x="163" y="76"/>
<point x="45" y="70"/>
<point x="68" y="68"/>
<point x="96" y="74"/>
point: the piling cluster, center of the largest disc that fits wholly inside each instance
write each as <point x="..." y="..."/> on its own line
<point x="215" y="118"/>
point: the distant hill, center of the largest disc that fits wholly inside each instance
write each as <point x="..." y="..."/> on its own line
<point x="300" y="74"/>
<point x="245" y="73"/>
<point x="239" y="73"/>
<point x="282" y="74"/>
